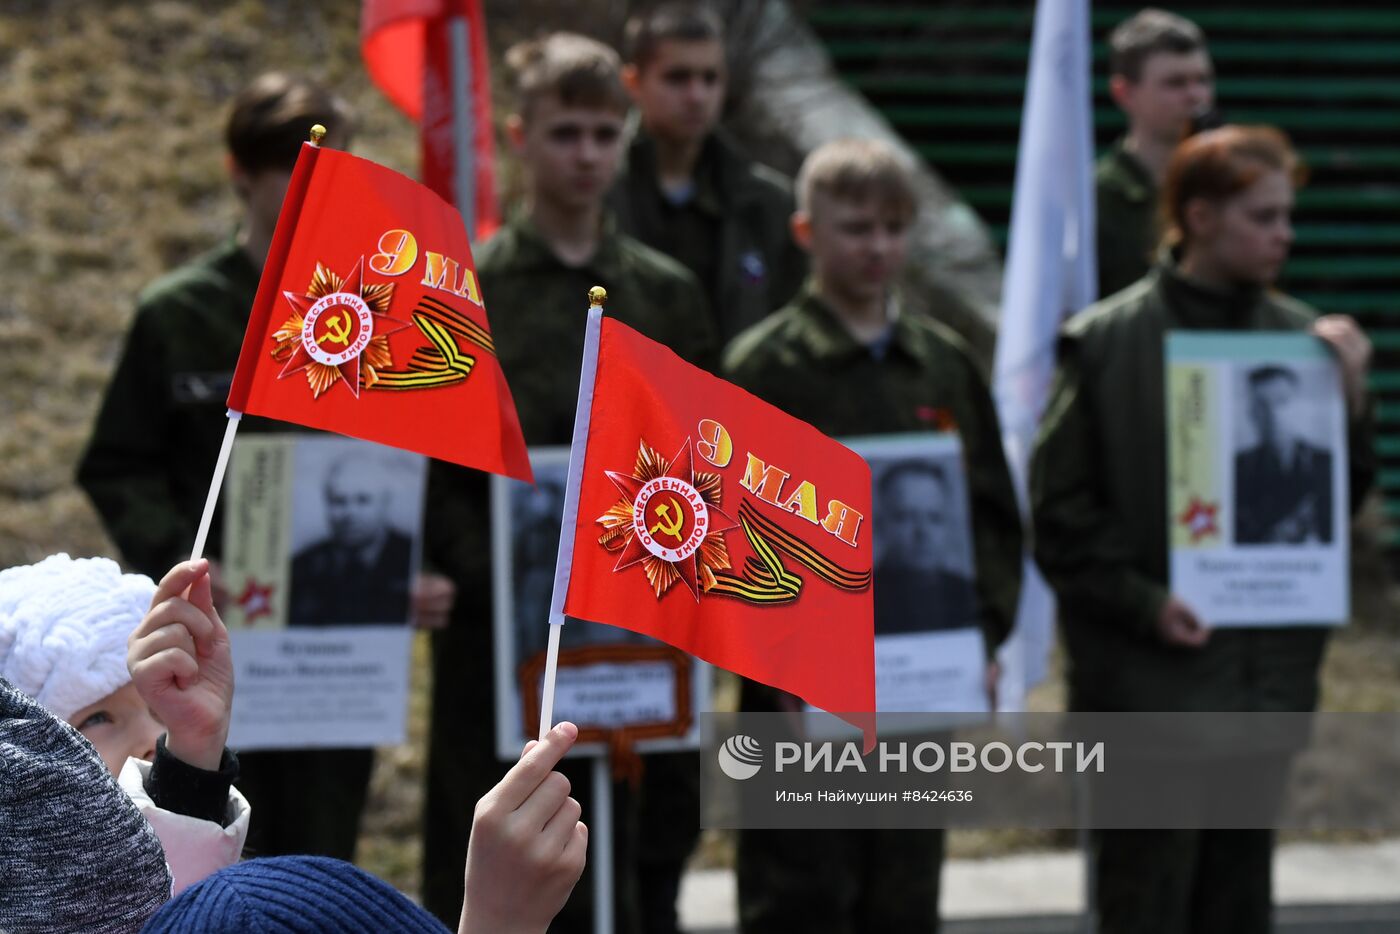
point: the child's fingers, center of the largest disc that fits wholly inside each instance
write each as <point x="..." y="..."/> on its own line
<point x="202" y="598"/>
<point x="178" y="579"/>
<point x="544" y="801"/>
<point x="559" y="829"/>
<point x="576" y="852"/>
<point x="174" y="636"/>
<point x="174" y="612"/>
<point x="167" y="665"/>
<point x="535" y="763"/>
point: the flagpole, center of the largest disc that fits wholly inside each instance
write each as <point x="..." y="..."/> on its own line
<point x="600" y="841"/>
<point x="597" y="296"/>
<point x="463" y="122"/>
<point x="216" y="484"/>
<point x="551" y="671"/>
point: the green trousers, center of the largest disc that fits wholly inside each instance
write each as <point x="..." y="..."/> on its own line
<point x="1184" y="881"/>
<point x="305" y="800"/>
<point x="839" y="881"/>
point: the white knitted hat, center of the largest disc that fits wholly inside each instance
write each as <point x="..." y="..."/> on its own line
<point x="63" y="629"/>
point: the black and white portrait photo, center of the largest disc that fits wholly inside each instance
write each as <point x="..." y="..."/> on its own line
<point x="1283" y="466"/>
<point x="357" y="509"/>
<point x="923" y="563"/>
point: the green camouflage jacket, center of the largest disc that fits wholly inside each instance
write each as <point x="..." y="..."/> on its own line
<point x="1099" y="504"/>
<point x="804" y="361"/>
<point x="1126" y="229"/>
<point x="732" y="234"/>
<point x="537" y="308"/>
<point x="151" y="455"/>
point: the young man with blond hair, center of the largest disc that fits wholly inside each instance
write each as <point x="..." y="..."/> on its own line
<point x="847" y="358"/>
<point x="566" y="128"/>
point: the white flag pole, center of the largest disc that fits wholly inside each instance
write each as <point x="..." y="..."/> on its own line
<point x="600" y="841"/>
<point x="215" y="485"/>
<point x="596" y="297"/>
<point x="463" y="122"/>
<point x="201" y="536"/>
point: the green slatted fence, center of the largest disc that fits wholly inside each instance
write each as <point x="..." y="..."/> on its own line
<point x="950" y="77"/>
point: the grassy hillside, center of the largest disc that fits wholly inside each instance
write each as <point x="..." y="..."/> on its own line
<point x="111" y="119"/>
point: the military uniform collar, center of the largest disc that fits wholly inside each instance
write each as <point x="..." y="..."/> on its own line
<point x="713" y="176"/>
<point x="1197" y="305"/>
<point x="231" y="256"/>
<point x="531" y="251"/>
<point x="828" y="339"/>
<point x="1133" y="177"/>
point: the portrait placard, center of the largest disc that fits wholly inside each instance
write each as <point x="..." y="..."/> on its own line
<point x="1257" y="478"/>
<point x="930" y="656"/>
<point x="322" y="538"/>
<point x="611" y="681"/>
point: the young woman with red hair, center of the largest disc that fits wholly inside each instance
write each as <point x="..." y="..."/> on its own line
<point x="1099" y="502"/>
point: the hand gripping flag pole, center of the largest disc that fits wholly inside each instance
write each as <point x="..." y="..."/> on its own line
<point x="216" y="484"/>
<point x="601" y="838"/>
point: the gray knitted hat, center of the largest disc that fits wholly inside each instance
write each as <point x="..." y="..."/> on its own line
<point x="75" y="854"/>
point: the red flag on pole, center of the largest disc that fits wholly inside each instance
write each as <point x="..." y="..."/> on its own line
<point x="702" y="516"/>
<point x="368" y="321"/>
<point x="430" y="59"/>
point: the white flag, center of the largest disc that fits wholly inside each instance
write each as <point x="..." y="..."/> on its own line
<point x="1050" y="273"/>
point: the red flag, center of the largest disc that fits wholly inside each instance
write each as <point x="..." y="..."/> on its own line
<point x="714" y="521"/>
<point x="368" y="321"/>
<point x="430" y="59"/>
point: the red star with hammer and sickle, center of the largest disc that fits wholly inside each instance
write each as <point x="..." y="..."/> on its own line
<point x="256" y="600"/>
<point x="383" y="325"/>
<point x="681" y="467"/>
<point x="1199" y="517"/>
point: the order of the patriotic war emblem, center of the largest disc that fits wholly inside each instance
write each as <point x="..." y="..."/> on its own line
<point x="669" y="520"/>
<point x="338" y="330"/>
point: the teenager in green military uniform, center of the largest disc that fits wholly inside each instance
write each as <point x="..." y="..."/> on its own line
<point x="151" y="456"/>
<point x="1099" y="491"/>
<point x="567" y="131"/>
<point x="844" y="358"/>
<point x="685" y="190"/>
<point x="1160" y="76"/>
<point x="688" y="192"/>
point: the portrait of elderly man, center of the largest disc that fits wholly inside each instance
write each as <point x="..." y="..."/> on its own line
<point x="917" y="587"/>
<point x="360" y="572"/>
<point x="1283" y="483"/>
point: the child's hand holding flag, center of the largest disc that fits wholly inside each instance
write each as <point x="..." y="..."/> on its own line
<point x="180" y="662"/>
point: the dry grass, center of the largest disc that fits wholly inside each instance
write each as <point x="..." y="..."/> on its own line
<point x="111" y="136"/>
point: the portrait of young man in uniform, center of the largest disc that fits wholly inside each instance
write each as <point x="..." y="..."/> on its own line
<point x="1283" y="482"/>
<point x="917" y="588"/>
